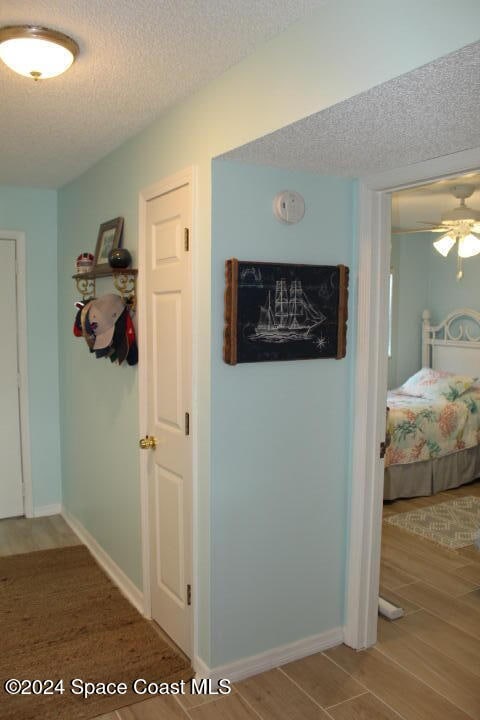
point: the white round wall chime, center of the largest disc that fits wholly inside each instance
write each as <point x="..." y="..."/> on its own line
<point x="288" y="206"/>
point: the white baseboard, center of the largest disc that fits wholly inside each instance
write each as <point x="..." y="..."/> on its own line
<point x="114" y="572"/>
<point x="201" y="669"/>
<point x="240" y="669"/>
<point x="234" y="671"/>
<point x="45" y="510"/>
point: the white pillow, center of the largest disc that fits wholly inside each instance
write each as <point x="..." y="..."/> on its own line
<point x="437" y="384"/>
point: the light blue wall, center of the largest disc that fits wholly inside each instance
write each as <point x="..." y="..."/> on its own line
<point x="34" y="212"/>
<point x="280" y="432"/>
<point x="99" y="403"/>
<point x="99" y="410"/>
<point x="425" y="279"/>
<point x="410" y="266"/>
<point x="445" y="292"/>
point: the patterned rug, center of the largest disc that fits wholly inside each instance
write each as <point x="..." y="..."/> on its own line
<point x="454" y="524"/>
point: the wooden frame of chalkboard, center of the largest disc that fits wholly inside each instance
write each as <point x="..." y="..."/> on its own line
<point x="284" y="311"/>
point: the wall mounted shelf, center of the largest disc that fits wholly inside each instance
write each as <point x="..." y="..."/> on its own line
<point x="125" y="281"/>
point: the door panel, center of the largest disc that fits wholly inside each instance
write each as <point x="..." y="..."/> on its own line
<point x="168" y="324"/>
<point x="11" y="489"/>
<point x="169" y="504"/>
<point x="167" y="241"/>
<point x="169" y="339"/>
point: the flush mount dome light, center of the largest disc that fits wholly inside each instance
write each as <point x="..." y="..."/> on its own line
<point x="36" y="52"/>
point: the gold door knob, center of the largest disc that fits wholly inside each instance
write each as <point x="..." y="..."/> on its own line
<point x="148" y="442"/>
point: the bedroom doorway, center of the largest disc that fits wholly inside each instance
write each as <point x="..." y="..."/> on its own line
<point x="375" y="218"/>
<point x="431" y="501"/>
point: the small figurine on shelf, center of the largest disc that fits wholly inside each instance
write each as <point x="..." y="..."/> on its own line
<point x="84" y="262"/>
<point x="119" y="258"/>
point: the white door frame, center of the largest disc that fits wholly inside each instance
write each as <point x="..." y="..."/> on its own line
<point x="21" y="258"/>
<point x="188" y="175"/>
<point x="374" y="232"/>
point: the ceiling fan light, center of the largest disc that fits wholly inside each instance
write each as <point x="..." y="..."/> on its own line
<point x="36" y="52"/>
<point x="444" y="244"/>
<point x="468" y="246"/>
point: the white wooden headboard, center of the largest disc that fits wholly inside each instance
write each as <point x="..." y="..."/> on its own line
<point x="454" y="345"/>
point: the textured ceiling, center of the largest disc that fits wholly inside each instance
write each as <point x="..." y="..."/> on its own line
<point x="426" y="113"/>
<point x="137" y="58"/>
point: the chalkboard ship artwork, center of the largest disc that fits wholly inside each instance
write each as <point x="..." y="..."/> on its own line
<point x="292" y="316"/>
<point x="277" y="311"/>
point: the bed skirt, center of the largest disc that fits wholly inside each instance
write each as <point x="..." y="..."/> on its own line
<point x="432" y="476"/>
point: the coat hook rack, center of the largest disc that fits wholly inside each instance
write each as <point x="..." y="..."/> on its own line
<point x="124" y="280"/>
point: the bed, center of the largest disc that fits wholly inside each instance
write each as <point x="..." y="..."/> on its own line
<point x="433" y="441"/>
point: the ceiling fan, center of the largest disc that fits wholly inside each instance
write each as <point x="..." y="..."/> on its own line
<point x="459" y="226"/>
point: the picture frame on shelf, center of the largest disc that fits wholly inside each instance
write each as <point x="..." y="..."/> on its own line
<point x="109" y="238"/>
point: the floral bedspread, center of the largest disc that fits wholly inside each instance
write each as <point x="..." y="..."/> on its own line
<point x="424" y="429"/>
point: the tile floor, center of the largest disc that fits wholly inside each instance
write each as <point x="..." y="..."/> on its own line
<point x="425" y="666"/>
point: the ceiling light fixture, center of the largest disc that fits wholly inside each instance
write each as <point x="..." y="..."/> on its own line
<point x="468" y="246"/>
<point x="36" y="52"/>
<point x="463" y="223"/>
<point x="444" y="244"/>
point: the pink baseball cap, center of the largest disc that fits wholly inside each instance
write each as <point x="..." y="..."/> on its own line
<point x="102" y="315"/>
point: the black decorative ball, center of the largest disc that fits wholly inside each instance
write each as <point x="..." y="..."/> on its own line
<point x="119" y="258"/>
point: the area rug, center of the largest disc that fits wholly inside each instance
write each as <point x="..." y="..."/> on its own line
<point x="454" y="524"/>
<point x="62" y="618"/>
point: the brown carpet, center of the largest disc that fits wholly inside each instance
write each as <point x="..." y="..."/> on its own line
<point x="62" y="617"/>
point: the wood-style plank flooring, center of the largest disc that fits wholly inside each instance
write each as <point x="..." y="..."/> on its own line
<point x="425" y="666"/>
<point x="23" y="535"/>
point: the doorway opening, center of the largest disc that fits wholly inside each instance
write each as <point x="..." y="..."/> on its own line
<point x="431" y="500"/>
<point x="371" y="382"/>
<point x="16" y="492"/>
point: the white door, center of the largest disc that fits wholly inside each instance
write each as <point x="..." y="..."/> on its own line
<point x="11" y="488"/>
<point x="169" y="391"/>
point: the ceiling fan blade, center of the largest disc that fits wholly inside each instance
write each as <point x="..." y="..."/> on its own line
<point x="411" y="231"/>
<point x="433" y="227"/>
<point x="427" y="222"/>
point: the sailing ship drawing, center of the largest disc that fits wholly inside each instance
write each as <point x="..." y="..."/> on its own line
<point x="291" y="316"/>
<point x="284" y="311"/>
